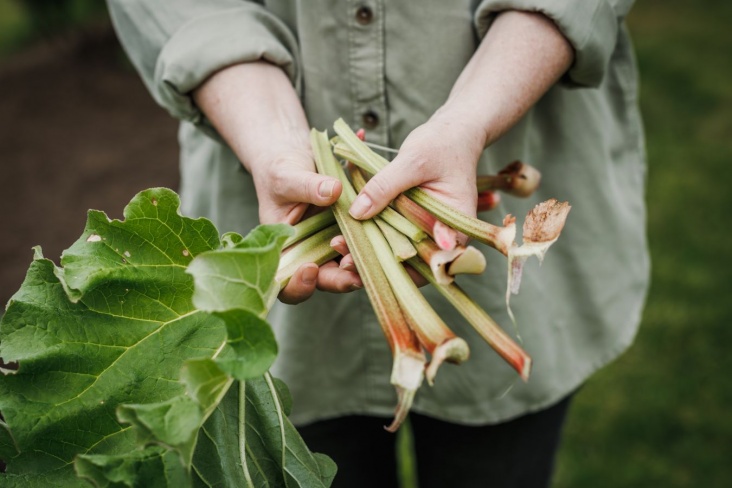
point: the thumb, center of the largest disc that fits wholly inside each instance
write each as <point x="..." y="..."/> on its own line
<point x="381" y="189"/>
<point x="309" y="187"/>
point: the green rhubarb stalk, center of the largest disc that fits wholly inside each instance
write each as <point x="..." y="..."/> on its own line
<point x="409" y="360"/>
<point x="315" y="249"/>
<point x="311" y="225"/>
<point x="414" y="214"/>
<point x="501" y="342"/>
<point x="391" y="216"/>
<point x="500" y="238"/>
<point x="433" y="334"/>
<point x="400" y="245"/>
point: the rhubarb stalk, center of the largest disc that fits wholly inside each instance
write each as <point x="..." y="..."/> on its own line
<point x="500" y="238"/>
<point x="401" y="246"/>
<point x="315" y="249"/>
<point x="447" y="263"/>
<point x="517" y="179"/>
<point x="409" y="360"/>
<point x="309" y="226"/>
<point x="434" y="335"/>
<point x="501" y="342"/>
<point x="391" y="216"/>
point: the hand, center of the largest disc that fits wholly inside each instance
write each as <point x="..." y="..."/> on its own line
<point x="521" y="57"/>
<point x="439" y="156"/>
<point x="257" y="112"/>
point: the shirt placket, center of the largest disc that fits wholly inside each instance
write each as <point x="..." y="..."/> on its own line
<point x="366" y="68"/>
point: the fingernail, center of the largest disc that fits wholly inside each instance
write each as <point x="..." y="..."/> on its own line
<point x="348" y="266"/>
<point x="325" y="189"/>
<point x="360" y="206"/>
<point x="356" y="286"/>
<point x="309" y="275"/>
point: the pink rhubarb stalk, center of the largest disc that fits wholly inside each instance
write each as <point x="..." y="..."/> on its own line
<point x="433" y="334"/>
<point x="500" y="238"/>
<point x="517" y="179"/>
<point x="488" y="200"/>
<point x="409" y="360"/>
<point x="501" y="342"/>
<point x="447" y="263"/>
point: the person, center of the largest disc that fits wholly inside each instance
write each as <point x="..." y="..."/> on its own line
<point x="552" y="83"/>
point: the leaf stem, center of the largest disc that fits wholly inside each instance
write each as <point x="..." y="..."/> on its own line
<point x="243" y="434"/>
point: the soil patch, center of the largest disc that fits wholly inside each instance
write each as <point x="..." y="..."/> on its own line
<point x="78" y="130"/>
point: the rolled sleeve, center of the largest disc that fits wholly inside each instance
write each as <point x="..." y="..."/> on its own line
<point x="177" y="45"/>
<point x="591" y="26"/>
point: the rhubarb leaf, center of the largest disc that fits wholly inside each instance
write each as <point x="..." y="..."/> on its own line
<point x="122" y="374"/>
<point x="275" y="454"/>
<point x="152" y="466"/>
<point x="241" y="276"/>
<point x="8" y="448"/>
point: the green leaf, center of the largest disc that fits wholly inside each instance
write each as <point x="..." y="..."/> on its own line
<point x="173" y="423"/>
<point x="241" y="276"/>
<point x="251" y="345"/>
<point x="153" y="466"/>
<point x="8" y="449"/>
<point x="205" y="383"/>
<point x="113" y="326"/>
<point x="123" y="376"/>
<point x="274" y="453"/>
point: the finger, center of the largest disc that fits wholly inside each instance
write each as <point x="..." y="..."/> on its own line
<point x="301" y="286"/>
<point x="382" y="188"/>
<point x="308" y="187"/>
<point x="338" y="243"/>
<point x="347" y="263"/>
<point x="333" y="279"/>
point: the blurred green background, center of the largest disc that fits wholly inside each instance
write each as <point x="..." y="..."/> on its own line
<point x="660" y="415"/>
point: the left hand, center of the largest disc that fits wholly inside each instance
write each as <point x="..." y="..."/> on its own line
<point x="439" y="156"/>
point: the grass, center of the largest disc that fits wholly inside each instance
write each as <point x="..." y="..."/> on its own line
<point x="659" y="416"/>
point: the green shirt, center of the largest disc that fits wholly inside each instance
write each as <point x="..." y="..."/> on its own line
<point x="390" y="67"/>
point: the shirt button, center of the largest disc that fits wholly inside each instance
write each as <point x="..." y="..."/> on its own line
<point x="364" y="15"/>
<point x="370" y="119"/>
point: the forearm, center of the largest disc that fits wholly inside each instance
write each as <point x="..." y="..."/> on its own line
<point x="522" y="55"/>
<point x="256" y="111"/>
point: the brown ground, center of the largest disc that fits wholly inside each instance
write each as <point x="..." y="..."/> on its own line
<point x="78" y="130"/>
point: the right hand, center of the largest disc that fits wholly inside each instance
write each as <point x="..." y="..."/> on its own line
<point x="257" y="112"/>
<point x="286" y="188"/>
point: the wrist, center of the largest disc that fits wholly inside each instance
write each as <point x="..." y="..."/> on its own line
<point x="462" y="125"/>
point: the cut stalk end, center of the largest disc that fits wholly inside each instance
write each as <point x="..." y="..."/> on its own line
<point x="406" y="375"/>
<point x="468" y="261"/>
<point x="454" y="350"/>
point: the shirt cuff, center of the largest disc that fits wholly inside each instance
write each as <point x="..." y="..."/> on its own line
<point x="212" y="42"/>
<point x="591" y="26"/>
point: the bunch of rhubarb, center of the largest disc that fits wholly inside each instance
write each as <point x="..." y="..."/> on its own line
<point x="415" y="230"/>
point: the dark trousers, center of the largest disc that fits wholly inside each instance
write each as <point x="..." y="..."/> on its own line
<point x="515" y="454"/>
